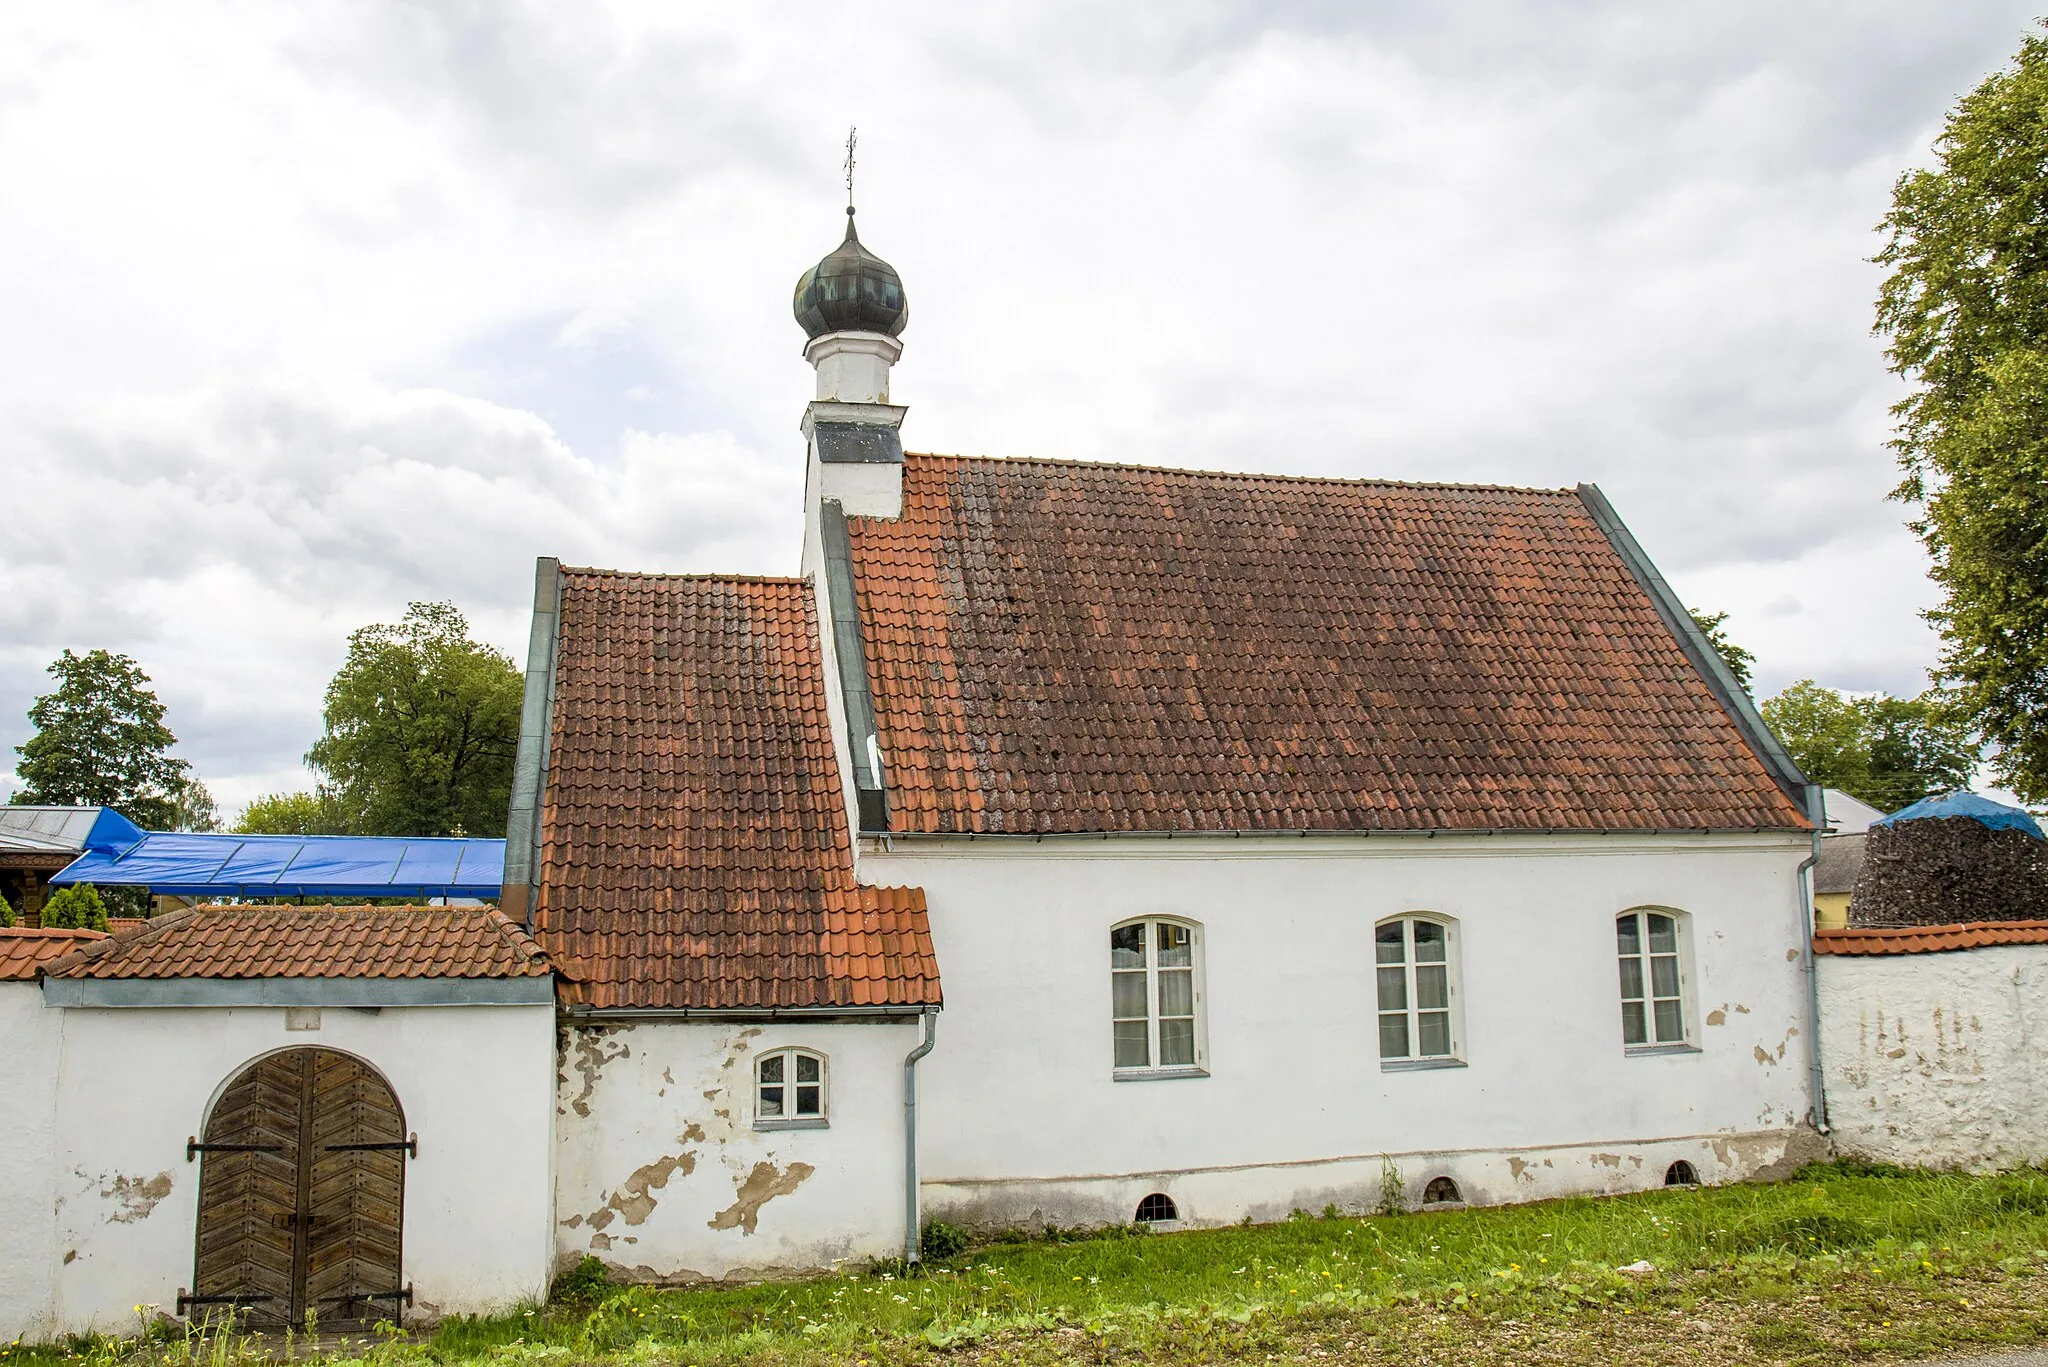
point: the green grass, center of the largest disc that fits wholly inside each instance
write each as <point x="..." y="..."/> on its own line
<point x="1841" y="1238"/>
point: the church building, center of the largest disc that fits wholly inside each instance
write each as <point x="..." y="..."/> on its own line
<point x="1067" y="843"/>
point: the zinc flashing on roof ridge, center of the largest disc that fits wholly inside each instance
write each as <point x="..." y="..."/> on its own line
<point x="1734" y="699"/>
<point x="1249" y="475"/>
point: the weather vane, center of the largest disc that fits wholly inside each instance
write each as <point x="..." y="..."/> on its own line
<point x="852" y="137"/>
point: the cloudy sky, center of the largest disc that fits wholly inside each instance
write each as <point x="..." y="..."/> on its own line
<point x="311" y="310"/>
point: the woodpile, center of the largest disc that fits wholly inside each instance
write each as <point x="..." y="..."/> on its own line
<point x="1948" y="870"/>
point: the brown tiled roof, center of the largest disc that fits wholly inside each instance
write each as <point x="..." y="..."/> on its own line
<point x="1058" y="646"/>
<point x="1930" y="939"/>
<point x="24" y="951"/>
<point x="315" y="942"/>
<point x="694" y="849"/>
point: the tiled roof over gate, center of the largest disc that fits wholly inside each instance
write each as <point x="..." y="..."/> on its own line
<point x="24" y="951"/>
<point x="314" y="942"/>
<point x="1062" y="646"/>
<point x="1929" y="939"/>
<point x="694" y="844"/>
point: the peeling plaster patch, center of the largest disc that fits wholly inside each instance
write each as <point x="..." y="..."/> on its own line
<point x="137" y="1196"/>
<point x="1792" y="956"/>
<point x="1519" y="1169"/>
<point x="1719" y="1017"/>
<point x="1763" y="1057"/>
<point x="693" y="1134"/>
<point x="601" y="1241"/>
<point x="70" y="1257"/>
<point x="632" y="1199"/>
<point x="1612" y="1160"/>
<point x="711" y="1095"/>
<point x="572" y="1222"/>
<point x="1741" y="1010"/>
<point x="591" y="1057"/>
<point x="763" y="1184"/>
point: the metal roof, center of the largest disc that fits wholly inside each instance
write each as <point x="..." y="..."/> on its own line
<point x="29" y="829"/>
<point x="324" y="866"/>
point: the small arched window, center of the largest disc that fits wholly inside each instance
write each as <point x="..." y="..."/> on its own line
<point x="1156" y="996"/>
<point x="1441" y="1191"/>
<point x="789" y="1092"/>
<point x="1651" y="945"/>
<point x="1156" y="1207"/>
<point x="1681" y="1174"/>
<point x="1416" y="971"/>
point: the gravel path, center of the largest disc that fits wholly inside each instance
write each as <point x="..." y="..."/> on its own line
<point x="2030" y="1359"/>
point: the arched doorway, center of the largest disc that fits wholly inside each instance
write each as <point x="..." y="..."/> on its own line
<point x="302" y="1194"/>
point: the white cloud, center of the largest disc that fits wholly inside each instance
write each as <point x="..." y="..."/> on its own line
<point x="314" y="310"/>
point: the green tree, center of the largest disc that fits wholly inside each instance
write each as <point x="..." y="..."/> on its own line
<point x="422" y="727"/>
<point x="6" y="914"/>
<point x="300" y="813"/>
<point x="1965" y="312"/>
<point x="100" y="741"/>
<point x="196" y="810"/>
<point x="1713" y="626"/>
<point x="76" y="907"/>
<point x="1890" y="752"/>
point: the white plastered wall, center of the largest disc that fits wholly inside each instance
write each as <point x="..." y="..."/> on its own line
<point x="30" y="1042"/>
<point x="1938" y="1059"/>
<point x="475" y="1082"/>
<point x="1025" y="1123"/>
<point x="662" y="1174"/>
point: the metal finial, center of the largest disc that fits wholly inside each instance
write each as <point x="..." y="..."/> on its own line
<point x="852" y="137"/>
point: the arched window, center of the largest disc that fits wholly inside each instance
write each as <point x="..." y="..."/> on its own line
<point x="1156" y="996"/>
<point x="1156" y="1207"/>
<point x="1416" y="969"/>
<point x="1441" y="1191"/>
<point x="789" y="1092"/>
<point x="1651" y="944"/>
<point x="1681" y="1174"/>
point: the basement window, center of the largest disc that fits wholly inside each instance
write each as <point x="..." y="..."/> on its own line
<point x="1156" y="1209"/>
<point x="790" y="1090"/>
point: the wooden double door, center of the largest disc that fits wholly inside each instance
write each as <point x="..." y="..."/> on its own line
<point x="302" y="1195"/>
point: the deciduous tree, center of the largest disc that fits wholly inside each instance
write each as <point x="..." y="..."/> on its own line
<point x="422" y="726"/>
<point x="1965" y="312"/>
<point x="100" y="740"/>
<point x="301" y="813"/>
<point x="1714" y="626"/>
<point x="1889" y="752"/>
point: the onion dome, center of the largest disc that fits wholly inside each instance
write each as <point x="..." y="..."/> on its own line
<point x="852" y="290"/>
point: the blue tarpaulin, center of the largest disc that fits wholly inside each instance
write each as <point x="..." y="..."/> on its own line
<point x="1996" y="815"/>
<point x="118" y="853"/>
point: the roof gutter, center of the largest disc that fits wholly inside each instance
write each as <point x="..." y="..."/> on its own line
<point x="1733" y="697"/>
<point x="651" y="1015"/>
<point x="1426" y="832"/>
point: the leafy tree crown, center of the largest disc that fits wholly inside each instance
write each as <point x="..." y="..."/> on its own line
<point x="100" y="741"/>
<point x="76" y="907"/>
<point x="1964" y="310"/>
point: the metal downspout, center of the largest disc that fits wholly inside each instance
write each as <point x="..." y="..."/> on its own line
<point x="910" y="1204"/>
<point x="1817" y="810"/>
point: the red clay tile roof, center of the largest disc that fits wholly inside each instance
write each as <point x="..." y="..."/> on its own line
<point x="25" y="951"/>
<point x="315" y="942"/>
<point x="1929" y="939"/>
<point x="1061" y="646"/>
<point x="694" y="848"/>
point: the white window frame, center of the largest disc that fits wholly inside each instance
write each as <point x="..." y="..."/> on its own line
<point x="789" y="1120"/>
<point x="1198" y="986"/>
<point x="1656" y="1041"/>
<point x="1454" y="1057"/>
